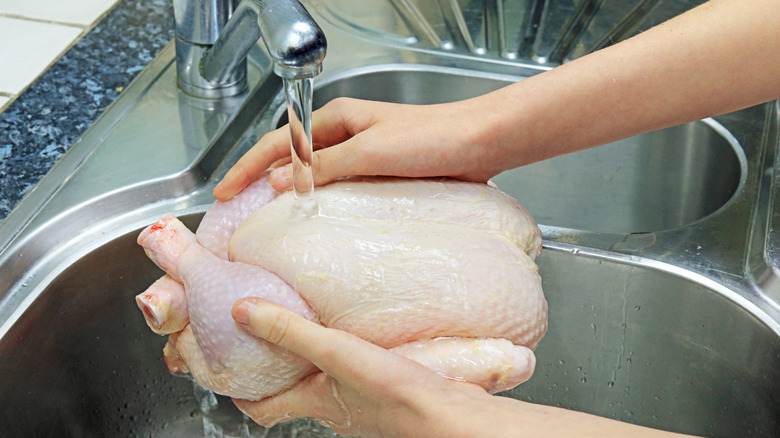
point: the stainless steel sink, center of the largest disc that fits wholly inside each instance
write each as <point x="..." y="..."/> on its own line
<point x="659" y="265"/>
<point x="628" y="339"/>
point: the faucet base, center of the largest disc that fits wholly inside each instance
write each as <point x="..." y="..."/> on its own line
<point x="190" y="81"/>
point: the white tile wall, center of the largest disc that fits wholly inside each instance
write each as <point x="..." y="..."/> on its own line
<point x="80" y="12"/>
<point x="35" y="33"/>
<point x="32" y="47"/>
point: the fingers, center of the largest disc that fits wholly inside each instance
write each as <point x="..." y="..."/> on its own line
<point x="360" y="384"/>
<point x="340" y="122"/>
<point x="273" y="146"/>
<point x="328" y="165"/>
<point x="333" y="124"/>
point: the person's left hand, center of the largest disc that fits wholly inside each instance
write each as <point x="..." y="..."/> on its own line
<point x="364" y="390"/>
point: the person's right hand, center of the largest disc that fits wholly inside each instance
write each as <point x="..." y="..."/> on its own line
<point x="611" y="94"/>
<point x="377" y="138"/>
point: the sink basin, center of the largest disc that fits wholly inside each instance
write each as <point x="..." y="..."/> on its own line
<point x="648" y="346"/>
<point x="655" y="181"/>
<point x="659" y="262"/>
<point x="640" y="342"/>
<point x="651" y="182"/>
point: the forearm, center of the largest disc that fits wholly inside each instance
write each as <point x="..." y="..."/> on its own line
<point x="716" y="58"/>
<point x="508" y="417"/>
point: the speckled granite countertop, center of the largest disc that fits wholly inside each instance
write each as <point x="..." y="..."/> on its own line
<point x="51" y="115"/>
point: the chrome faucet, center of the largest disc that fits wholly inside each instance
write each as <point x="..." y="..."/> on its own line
<point x="213" y="38"/>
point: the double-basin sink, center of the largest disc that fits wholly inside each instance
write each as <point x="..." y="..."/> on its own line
<point x="658" y="264"/>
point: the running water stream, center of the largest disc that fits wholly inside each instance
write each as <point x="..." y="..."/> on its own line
<point x="299" y="95"/>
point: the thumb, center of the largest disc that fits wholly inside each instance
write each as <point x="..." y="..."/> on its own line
<point x="289" y="330"/>
<point x="273" y="323"/>
<point x="341" y="355"/>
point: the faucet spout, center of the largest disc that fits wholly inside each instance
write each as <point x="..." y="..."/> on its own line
<point x="294" y="41"/>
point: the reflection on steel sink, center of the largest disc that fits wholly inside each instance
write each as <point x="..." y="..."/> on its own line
<point x="657" y="263"/>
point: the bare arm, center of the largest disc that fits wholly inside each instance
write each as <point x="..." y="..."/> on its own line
<point x="370" y="392"/>
<point x="716" y="58"/>
<point x="719" y="57"/>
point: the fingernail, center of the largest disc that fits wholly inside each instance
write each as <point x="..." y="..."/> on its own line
<point x="241" y="313"/>
<point x="280" y="177"/>
<point x="222" y="181"/>
<point x="219" y="188"/>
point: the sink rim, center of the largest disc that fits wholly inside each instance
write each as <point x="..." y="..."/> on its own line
<point x="328" y="78"/>
<point x="732" y="294"/>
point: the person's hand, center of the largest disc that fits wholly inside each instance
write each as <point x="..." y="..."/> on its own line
<point x="367" y="391"/>
<point x="364" y="390"/>
<point x="376" y="138"/>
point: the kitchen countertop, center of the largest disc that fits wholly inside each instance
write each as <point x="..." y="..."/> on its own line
<point x="56" y="110"/>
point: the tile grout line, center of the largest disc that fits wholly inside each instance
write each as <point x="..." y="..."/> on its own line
<point x="85" y="29"/>
<point x="53" y="61"/>
<point x="41" y="20"/>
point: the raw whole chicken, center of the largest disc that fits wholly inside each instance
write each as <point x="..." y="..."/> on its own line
<point x="437" y="270"/>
